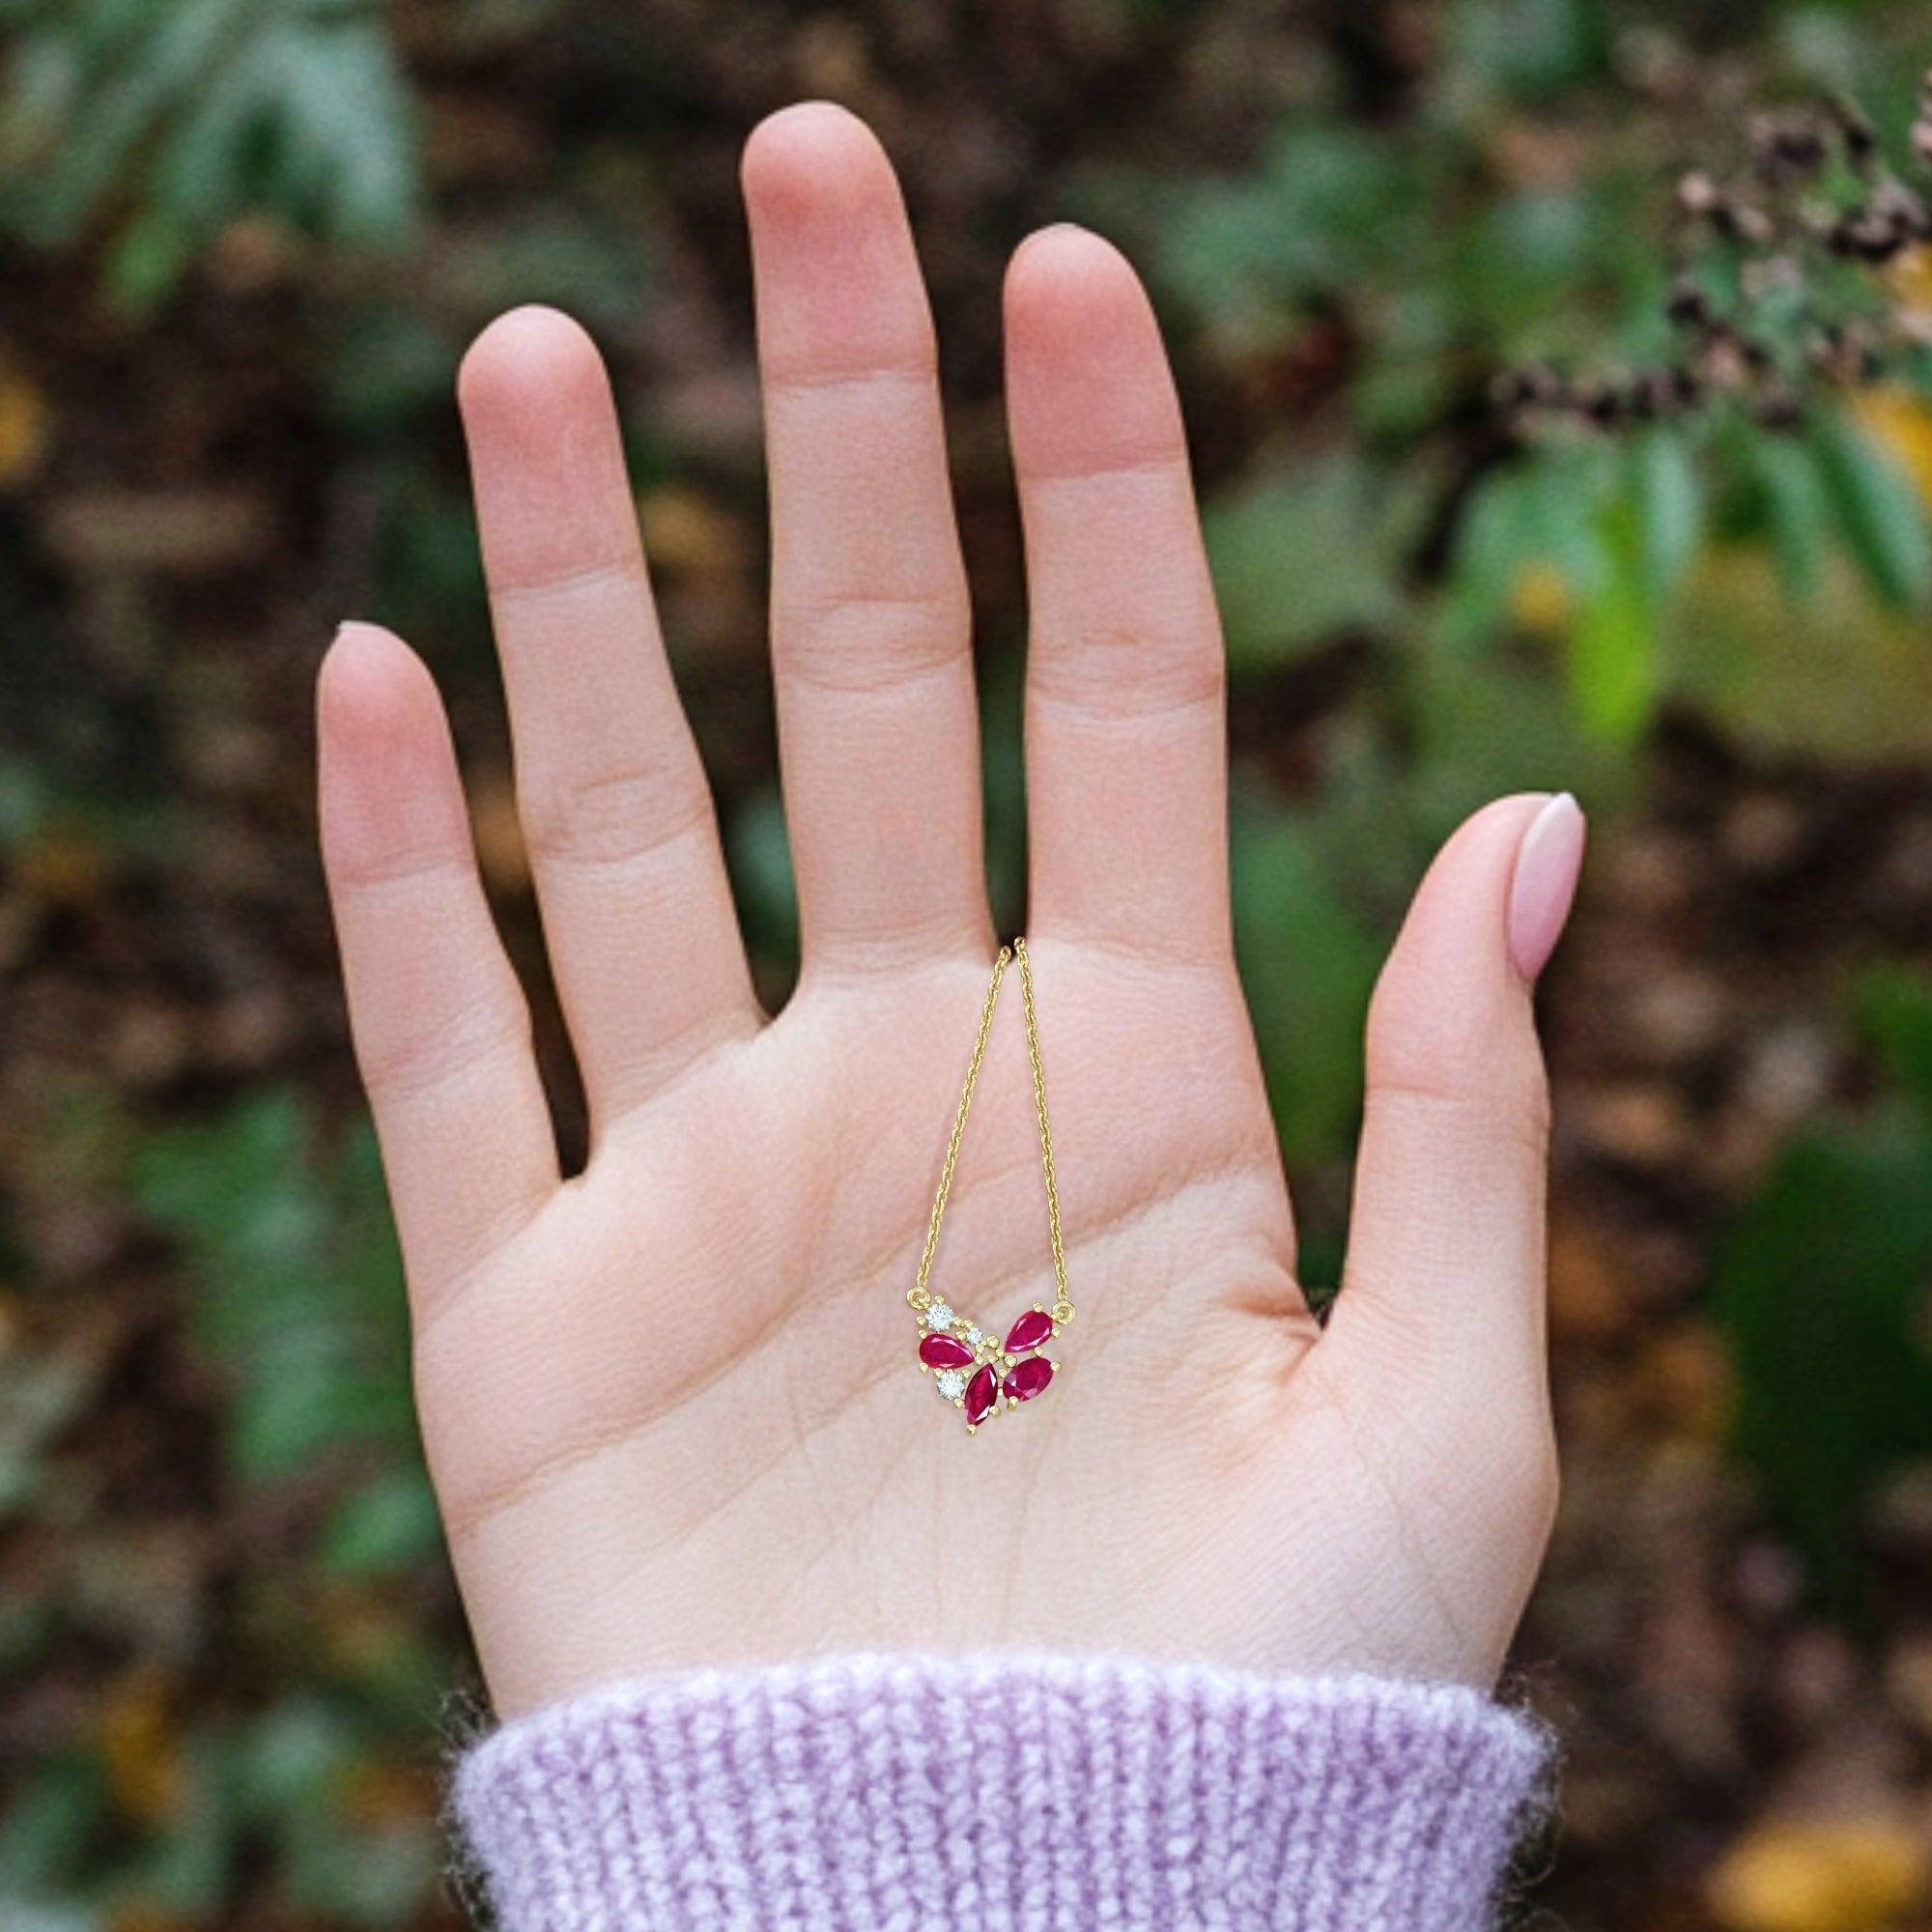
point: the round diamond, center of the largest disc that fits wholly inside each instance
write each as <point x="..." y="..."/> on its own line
<point x="951" y="1384"/>
<point x="974" y="1335"/>
<point x="939" y="1316"/>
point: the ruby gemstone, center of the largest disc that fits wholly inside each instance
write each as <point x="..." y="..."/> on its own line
<point x="983" y="1396"/>
<point x="941" y="1351"/>
<point x="1032" y="1328"/>
<point x="1025" y="1380"/>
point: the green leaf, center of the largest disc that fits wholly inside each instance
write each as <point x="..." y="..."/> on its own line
<point x="1309" y="965"/>
<point x="1795" y="507"/>
<point x="759" y="849"/>
<point x="1528" y="48"/>
<point x="348" y="127"/>
<point x="1547" y="509"/>
<point x="1620" y="528"/>
<point x="133" y="77"/>
<point x="1299" y="560"/>
<point x="1669" y="499"/>
<point x="49" y="1820"/>
<point x="1819" y="1288"/>
<point x="299" y="1286"/>
<point x="21" y="1914"/>
<point x="148" y="260"/>
<point x="293" y="1758"/>
<point x="1612" y="653"/>
<point x="1879" y="514"/>
<point x="1493" y="543"/>
<point x="178" y="118"/>
<point x="385" y="1527"/>
<point x="1891" y="1007"/>
<point x="1330" y="206"/>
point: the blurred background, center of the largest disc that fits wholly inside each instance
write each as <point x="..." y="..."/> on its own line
<point x="1557" y="372"/>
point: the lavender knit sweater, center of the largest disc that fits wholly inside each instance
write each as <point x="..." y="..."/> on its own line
<point x="1001" y="1792"/>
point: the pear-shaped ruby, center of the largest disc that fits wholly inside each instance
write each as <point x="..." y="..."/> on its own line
<point x="1025" y="1380"/>
<point x="1032" y="1328"/>
<point x="983" y="1396"/>
<point x="941" y="1351"/>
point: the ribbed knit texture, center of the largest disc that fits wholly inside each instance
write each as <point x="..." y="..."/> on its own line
<point x="1000" y="1792"/>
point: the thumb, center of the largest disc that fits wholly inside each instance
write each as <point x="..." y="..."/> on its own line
<point x="1442" y="1295"/>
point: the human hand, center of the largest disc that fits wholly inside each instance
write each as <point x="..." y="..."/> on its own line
<point x="669" y="1403"/>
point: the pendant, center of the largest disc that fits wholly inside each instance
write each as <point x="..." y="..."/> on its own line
<point x="976" y="1372"/>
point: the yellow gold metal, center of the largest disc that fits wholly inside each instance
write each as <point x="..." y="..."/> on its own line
<point x="1045" y="1139"/>
<point x="920" y="1295"/>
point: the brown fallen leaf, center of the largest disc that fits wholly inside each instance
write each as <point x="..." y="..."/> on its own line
<point x="23" y="428"/>
<point x="1791" y="1876"/>
<point x="499" y="832"/>
<point x="1591" y="1296"/>
<point x="684" y="532"/>
<point x="139" y="1743"/>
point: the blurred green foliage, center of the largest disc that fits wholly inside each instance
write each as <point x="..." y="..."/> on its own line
<point x="1443" y="274"/>
<point x="297" y="1306"/>
<point x="198" y="112"/>
<point x="1825" y="1288"/>
<point x="1499" y="611"/>
<point x="301" y="1300"/>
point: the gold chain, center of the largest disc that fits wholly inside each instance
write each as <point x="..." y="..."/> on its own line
<point x="919" y="1296"/>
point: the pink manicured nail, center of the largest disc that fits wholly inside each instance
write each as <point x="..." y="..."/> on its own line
<point x="1546" y="865"/>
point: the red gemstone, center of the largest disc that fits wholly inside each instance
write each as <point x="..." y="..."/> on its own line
<point x="1025" y="1380"/>
<point x="983" y="1396"/>
<point x="941" y="1351"/>
<point x="1032" y="1328"/>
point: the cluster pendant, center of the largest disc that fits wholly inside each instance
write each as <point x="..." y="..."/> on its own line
<point x="971" y="1368"/>
<point x="977" y="1373"/>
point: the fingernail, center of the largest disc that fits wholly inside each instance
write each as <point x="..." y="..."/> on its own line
<point x="1548" y="863"/>
<point x="1052" y="231"/>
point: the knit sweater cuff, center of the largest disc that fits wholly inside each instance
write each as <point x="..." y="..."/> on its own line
<point x="1000" y="1791"/>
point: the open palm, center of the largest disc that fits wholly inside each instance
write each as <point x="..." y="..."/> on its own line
<point x="670" y="1403"/>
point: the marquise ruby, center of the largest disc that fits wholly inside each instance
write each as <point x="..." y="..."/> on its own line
<point x="1032" y="1328"/>
<point x="941" y="1351"/>
<point x="1025" y="1380"/>
<point x="983" y="1396"/>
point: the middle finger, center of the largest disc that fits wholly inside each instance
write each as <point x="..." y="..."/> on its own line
<point x="871" y="623"/>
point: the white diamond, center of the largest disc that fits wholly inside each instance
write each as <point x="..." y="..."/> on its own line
<point x="973" y="1335"/>
<point x="951" y="1384"/>
<point x="938" y="1317"/>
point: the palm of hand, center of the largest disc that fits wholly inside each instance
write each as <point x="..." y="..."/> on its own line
<point x="671" y="1405"/>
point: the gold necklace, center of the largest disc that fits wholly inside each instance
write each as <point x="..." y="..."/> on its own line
<point x="974" y="1370"/>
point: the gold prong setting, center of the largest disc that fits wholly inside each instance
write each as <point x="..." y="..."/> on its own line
<point x="979" y="1374"/>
